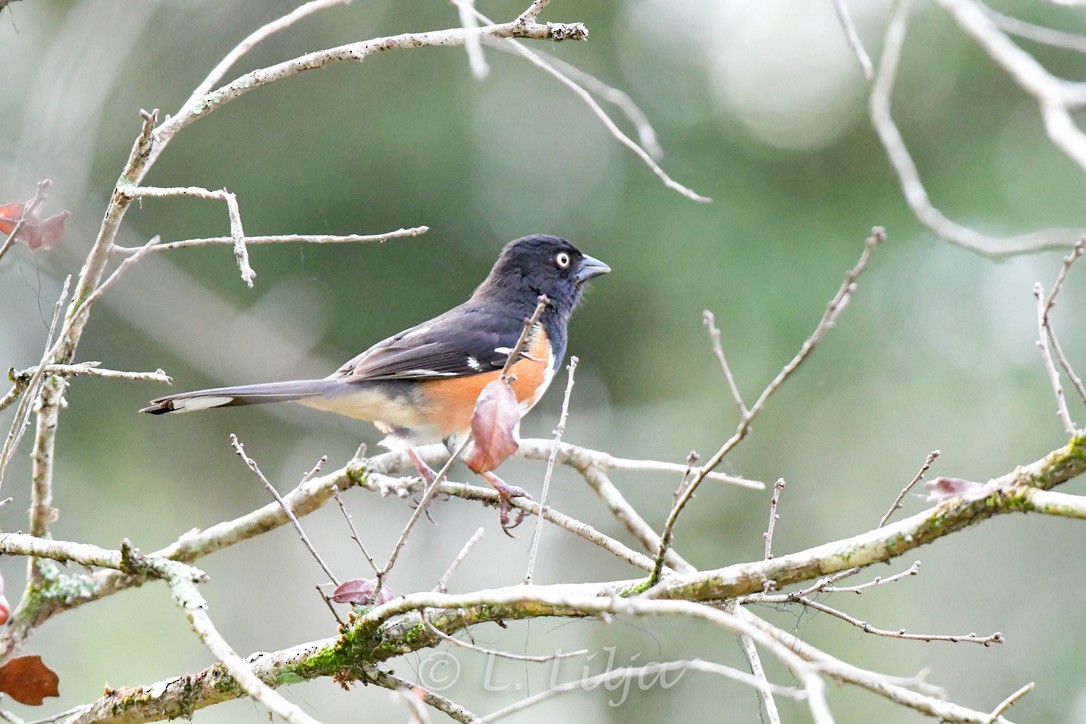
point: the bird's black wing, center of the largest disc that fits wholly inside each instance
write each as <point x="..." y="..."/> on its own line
<point x="467" y="340"/>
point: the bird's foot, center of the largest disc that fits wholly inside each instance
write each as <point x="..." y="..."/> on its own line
<point x="506" y="493"/>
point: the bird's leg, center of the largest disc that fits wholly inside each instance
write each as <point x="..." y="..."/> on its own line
<point x="505" y="493"/>
<point x="428" y="475"/>
<point x="425" y="470"/>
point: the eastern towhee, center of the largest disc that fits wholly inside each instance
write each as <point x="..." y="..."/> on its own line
<point x="421" y="385"/>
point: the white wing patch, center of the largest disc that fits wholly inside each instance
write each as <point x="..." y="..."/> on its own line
<point x="474" y="364"/>
<point x="200" y="403"/>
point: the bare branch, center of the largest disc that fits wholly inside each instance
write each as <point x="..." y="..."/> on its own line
<point x="853" y="38"/>
<point x="833" y="309"/>
<point x="609" y="124"/>
<point x="912" y="570"/>
<point x="472" y="42"/>
<point x="718" y="350"/>
<point x="251" y="464"/>
<point x="629" y="672"/>
<point x="237" y="233"/>
<point x="765" y="689"/>
<point x="280" y="239"/>
<point x="447" y="706"/>
<point x="626" y="514"/>
<point x="22" y="412"/>
<point x="911" y="484"/>
<point x="92" y="369"/>
<point x="995" y="638"/>
<point x="1076" y="252"/>
<point x="350" y="524"/>
<point x="774" y="501"/>
<point x="1011" y="700"/>
<point x="525" y="334"/>
<point x="213" y="100"/>
<point x="1050" y="365"/>
<point x="533" y="549"/>
<point x="443" y="584"/>
<point x="913" y="188"/>
<point x="255" y="37"/>
<point x="431" y="491"/>
<point x="646" y="134"/>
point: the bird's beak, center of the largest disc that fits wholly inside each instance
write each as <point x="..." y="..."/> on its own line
<point x="590" y="267"/>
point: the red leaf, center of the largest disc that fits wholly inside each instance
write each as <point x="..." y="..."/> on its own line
<point x="359" y="591"/>
<point x="10" y="215"/>
<point x="35" y="232"/>
<point x="28" y="681"/>
<point x="495" y="427"/>
<point x="944" y="488"/>
<point x="5" y="607"/>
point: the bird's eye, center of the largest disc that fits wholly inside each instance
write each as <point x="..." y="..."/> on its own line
<point x="562" y="260"/>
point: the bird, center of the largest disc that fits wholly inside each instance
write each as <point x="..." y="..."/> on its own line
<point x="420" y="385"/>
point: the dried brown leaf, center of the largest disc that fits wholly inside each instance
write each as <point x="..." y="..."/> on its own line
<point x="359" y="592"/>
<point x="495" y="427"/>
<point x="28" y="681"/>
<point x="35" y="232"/>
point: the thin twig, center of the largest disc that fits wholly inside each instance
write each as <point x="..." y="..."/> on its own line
<point x="905" y="491"/>
<point x="718" y="350"/>
<point x="240" y="450"/>
<point x="1050" y="365"/>
<point x="829" y="317"/>
<point x="431" y="698"/>
<point x="525" y="334"/>
<point x="542" y="659"/>
<point x="280" y="239"/>
<point x="427" y="496"/>
<point x="28" y="211"/>
<point x="237" y="232"/>
<point x="472" y="41"/>
<point x="255" y="37"/>
<point x="78" y="317"/>
<point x="1036" y="33"/>
<point x="188" y="597"/>
<point x="443" y="583"/>
<point x="995" y="638"/>
<point x="22" y="412"/>
<point x="626" y="514"/>
<point x="853" y="38"/>
<point x="916" y="195"/>
<point x="646" y="134"/>
<point x="632" y="672"/>
<point x="601" y="114"/>
<point x="354" y="533"/>
<point x="533" y="549"/>
<point x="92" y="369"/>
<point x="774" y="501"/>
<point x="1012" y="700"/>
<point x="1068" y="260"/>
<point x="912" y="570"/>
<point x="763" y="686"/>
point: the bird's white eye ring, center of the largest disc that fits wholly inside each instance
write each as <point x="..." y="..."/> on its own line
<point x="562" y="260"/>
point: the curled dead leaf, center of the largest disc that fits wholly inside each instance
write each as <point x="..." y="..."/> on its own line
<point x="360" y="592"/>
<point x="35" y="232"/>
<point x="495" y="427"/>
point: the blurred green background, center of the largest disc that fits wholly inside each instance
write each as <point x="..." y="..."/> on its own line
<point x="758" y="105"/>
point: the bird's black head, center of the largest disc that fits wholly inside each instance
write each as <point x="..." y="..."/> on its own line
<point x="541" y="264"/>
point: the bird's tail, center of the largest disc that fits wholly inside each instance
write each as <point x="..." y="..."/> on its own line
<point x="242" y="395"/>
